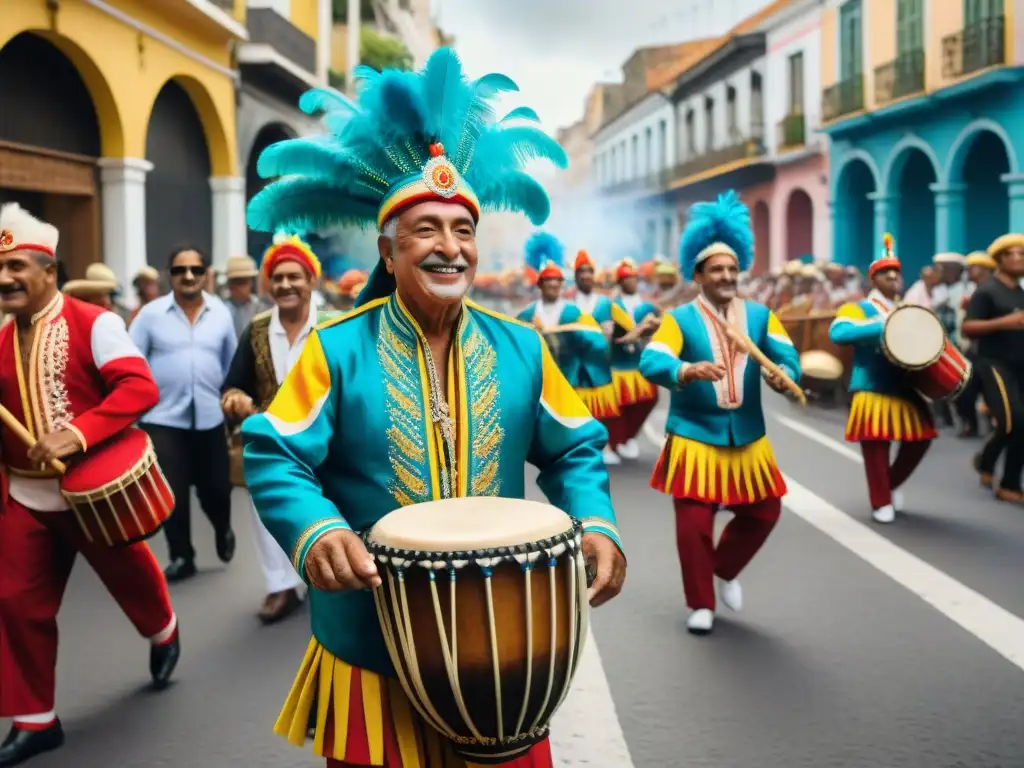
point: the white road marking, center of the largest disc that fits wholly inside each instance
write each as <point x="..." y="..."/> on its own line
<point x="586" y="730"/>
<point x="822" y="439"/>
<point x="993" y="625"/>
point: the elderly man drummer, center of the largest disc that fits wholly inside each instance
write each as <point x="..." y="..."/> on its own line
<point x="418" y="394"/>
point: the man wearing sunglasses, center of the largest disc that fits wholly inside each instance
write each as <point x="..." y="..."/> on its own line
<point x="189" y="338"/>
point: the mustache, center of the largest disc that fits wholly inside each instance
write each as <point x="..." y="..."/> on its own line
<point x="13" y="288"/>
<point x="437" y="260"/>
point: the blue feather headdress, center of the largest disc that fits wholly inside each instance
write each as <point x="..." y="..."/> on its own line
<point x="545" y="255"/>
<point x="721" y="227"/>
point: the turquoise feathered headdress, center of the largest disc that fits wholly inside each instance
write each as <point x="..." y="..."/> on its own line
<point x="716" y="228"/>
<point x="545" y="255"/>
<point x="409" y="137"/>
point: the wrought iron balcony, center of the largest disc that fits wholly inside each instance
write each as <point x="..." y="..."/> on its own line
<point x="974" y="48"/>
<point x="267" y="27"/>
<point x="903" y="76"/>
<point x="740" y="148"/>
<point x="843" y="98"/>
<point x="792" y="131"/>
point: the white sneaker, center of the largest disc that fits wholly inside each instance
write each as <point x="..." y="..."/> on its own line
<point x="630" y="449"/>
<point x="897" y="500"/>
<point x="610" y="457"/>
<point x="731" y="593"/>
<point x="701" y="622"/>
<point x="884" y="514"/>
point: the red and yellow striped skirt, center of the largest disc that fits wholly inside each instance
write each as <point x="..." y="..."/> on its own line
<point x="361" y="718"/>
<point x="602" y="402"/>
<point x="886" y="417"/>
<point x="632" y="388"/>
<point x="715" y="474"/>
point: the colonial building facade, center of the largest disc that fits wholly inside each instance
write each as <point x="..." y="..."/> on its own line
<point x="924" y="106"/>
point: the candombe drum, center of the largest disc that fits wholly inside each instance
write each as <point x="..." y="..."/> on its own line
<point x="914" y="339"/>
<point x="117" y="492"/>
<point x="483" y="607"/>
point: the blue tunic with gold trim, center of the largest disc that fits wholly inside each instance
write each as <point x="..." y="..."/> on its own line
<point x="717" y="450"/>
<point x="631" y="387"/>
<point x="885" y="406"/>
<point x="579" y="340"/>
<point x="350" y="437"/>
<point x="595" y="385"/>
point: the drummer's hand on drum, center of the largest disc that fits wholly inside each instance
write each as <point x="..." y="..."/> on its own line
<point x="609" y="564"/>
<point x="702" y="371"/>
<point x="338" y="561"/>
<point x="55" y="445"/>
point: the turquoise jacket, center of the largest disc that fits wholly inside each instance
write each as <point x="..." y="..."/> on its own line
<point x="349" y="438"/>
<point x="626" y="357"/>
<point x="722" y="413"/>
<point x="573" y="348"/>
<point x="860" y="324"/>
<point x="596" y="370"/>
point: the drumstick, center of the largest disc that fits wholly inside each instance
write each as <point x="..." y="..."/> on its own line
<point x="762" y="359"/>
<point x="25" y="436"/>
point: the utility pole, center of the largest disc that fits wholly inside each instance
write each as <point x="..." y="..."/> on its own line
<point x="354" y="28"/>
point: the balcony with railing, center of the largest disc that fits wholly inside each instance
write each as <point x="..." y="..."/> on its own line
<point x="903" y="76"/>
<point x="842" y="99"/>
<point x="648" y="183"/>
<point x="792" y="131"/>
<point x="739" y="148"/>
<point x="974" y="48"/>
<point x="267" y="27"/>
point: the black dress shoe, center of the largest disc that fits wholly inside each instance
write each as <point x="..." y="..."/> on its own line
<point x="226" y="545"/>
<point x="20" y="745"/>
<point x="180" y="569"/>
<point x="162" y="661"/>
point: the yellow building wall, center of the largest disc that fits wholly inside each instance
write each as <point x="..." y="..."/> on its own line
<point x="941" y="20"/>
<point x="878" y="19"/>
<point x="125" y="71"/>
<point x="305" y="15"/>
<point x="339" y="48"/>
<point x="829" y="46"/>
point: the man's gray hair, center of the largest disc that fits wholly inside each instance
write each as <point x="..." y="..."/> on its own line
<point x="42" y="258"/>
<point x="390" y="229"/>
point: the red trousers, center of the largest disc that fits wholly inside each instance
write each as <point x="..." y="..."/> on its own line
<point x="629" y="422"/>
<point x="883" y="479"/>
<point x="37" y="552"/>
<point x="701" y="561"/>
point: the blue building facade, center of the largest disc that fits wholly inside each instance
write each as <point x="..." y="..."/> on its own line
<point x="941" y="171"/>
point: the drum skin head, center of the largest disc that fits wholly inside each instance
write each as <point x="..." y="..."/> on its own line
<point x="914" y="336"/>
<point x="469" y="523"/>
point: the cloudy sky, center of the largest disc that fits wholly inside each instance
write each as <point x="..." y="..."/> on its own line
<point x="556" y="49"/>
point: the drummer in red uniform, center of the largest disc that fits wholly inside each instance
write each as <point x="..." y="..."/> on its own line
<point x="885" y="408"/>
<point x="70" y="374"/>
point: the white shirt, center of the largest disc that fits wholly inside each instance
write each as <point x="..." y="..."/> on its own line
<point x="587" y="302"/>
<point x="918" y="294"/>
<point x="549" y="314"/>
<point x="283" y="354"/>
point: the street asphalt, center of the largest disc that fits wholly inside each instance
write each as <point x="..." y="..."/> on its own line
<point x="834" y="662"/>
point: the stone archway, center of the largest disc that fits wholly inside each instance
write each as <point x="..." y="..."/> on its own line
<point x="49" y="144"/>
<point x="979" y="164"/>
<point x="271" y="133"/>
<point x="854" y="240"/>
<point x="911" y="178"/>
<point x="799" y="225"/>
<point x="178" y="195"/>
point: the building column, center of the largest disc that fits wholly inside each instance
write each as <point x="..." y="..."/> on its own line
<point x="882" y="202"/>
<point x="229" y="231"/>
<point x="1015" y="191"/>
<point x="123" y="190"/>
<point x="949" y="217"/>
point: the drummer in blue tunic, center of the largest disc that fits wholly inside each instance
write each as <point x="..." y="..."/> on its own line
<point x="717" y="455"/>
<point x="885" y="408"/>
<point x="418" y="393"/>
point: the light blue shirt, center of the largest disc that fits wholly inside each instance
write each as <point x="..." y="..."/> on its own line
<point x="189" y="360"/>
